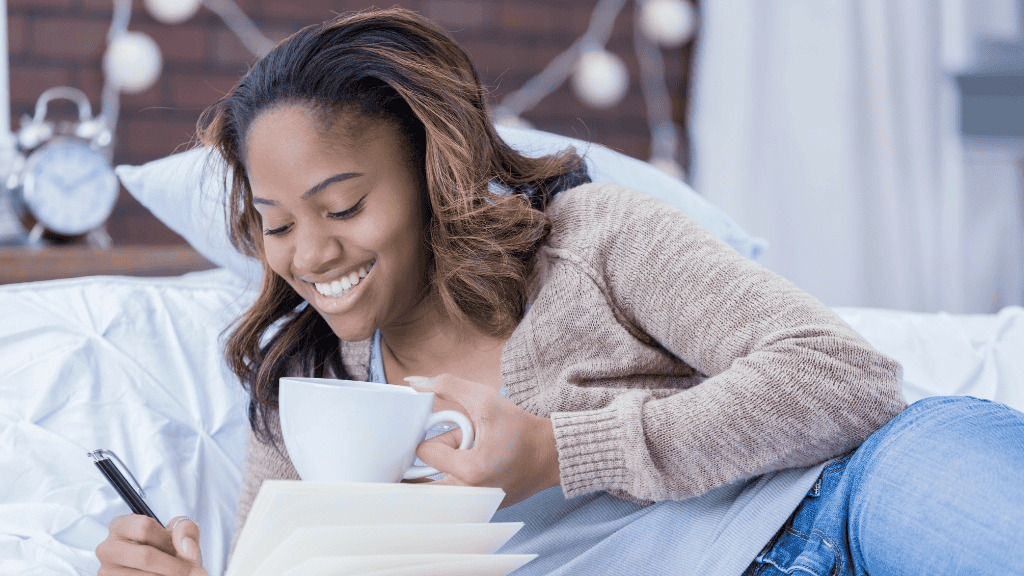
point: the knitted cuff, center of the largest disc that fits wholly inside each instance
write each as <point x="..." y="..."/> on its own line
<point x="590" y="451"/>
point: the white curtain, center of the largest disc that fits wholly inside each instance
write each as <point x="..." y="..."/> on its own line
<point x="831" y="128"/>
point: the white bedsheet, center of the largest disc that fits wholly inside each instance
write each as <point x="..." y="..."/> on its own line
<point x="134" y="365"/>
<point x="131" y="365"/>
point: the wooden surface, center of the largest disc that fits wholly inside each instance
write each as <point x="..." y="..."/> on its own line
<point x="28" y="265"/>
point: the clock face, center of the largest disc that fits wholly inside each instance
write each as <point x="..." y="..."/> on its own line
<point x="69" y="187"/>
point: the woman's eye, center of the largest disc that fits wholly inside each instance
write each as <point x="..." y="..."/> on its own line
<point x="276" y="231"/>
<point x="346" y="214"/>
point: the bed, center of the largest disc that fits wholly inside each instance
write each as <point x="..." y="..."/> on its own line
<point x="133" y="365"/>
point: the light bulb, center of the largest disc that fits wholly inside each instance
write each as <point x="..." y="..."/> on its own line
<point x="601" y="78"/>
<point x="172" y="11"/>
<point x="668" y="22"/>
<point x="132" y="62"/>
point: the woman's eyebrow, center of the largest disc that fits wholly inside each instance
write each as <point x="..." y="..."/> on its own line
<point x="314" y="190"/>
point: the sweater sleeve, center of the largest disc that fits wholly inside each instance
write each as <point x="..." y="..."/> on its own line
<point x="787" y="384"/>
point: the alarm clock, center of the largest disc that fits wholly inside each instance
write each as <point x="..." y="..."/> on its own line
<point x="63" y="185"/>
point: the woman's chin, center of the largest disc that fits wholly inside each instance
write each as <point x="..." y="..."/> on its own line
<point x="350" y="332"/>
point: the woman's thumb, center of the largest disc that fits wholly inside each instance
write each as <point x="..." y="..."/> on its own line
<point x="190" y="550"/>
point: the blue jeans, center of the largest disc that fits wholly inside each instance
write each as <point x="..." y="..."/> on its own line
<point x="938" y="490"/>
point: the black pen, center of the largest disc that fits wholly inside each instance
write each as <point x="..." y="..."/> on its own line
<point x="113" y="475"/>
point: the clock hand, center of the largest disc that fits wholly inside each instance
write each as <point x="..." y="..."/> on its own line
<point x="96" y="173"/>
<point x="93" y="176"/>
<point x="57" y="180"/>
<point x="70" y="185"/>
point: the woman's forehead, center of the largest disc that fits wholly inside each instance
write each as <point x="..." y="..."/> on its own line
<point x="292" y="123"/>
<point x="288" y="149"/>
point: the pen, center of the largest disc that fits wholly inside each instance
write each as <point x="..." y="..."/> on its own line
<point x="113" y="475"/>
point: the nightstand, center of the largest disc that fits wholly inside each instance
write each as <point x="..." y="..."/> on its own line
<point x="31" y="264"/>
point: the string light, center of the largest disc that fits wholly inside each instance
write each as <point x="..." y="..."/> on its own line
<point x="172" y="11"/>
<point x="133" y="62"/>
<point x="668" y="22"/>
<point x="600" y="78"/>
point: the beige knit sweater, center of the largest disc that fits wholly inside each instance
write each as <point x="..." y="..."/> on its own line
<point x="668" y="363"/>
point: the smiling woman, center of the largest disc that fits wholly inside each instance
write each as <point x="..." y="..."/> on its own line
<point x="377" y="156"/>
<point x="639" y="390"/>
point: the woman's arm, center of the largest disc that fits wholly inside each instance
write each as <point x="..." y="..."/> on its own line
<point x="788" y="382"/>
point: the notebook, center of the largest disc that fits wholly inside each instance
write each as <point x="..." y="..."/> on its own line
<point x="337" y="528"/>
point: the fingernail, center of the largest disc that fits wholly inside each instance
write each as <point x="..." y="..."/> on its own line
<point x="419" y="381"/>
<point x="186" y="546"/>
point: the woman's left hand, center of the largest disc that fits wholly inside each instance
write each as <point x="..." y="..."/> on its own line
<point x="512" y="449"/>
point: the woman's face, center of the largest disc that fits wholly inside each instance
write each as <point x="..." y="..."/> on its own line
<point x="342" y="216"/>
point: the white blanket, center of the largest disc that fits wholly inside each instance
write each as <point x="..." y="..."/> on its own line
<point x="134" y="366"/>
<point x="131" y="365"/>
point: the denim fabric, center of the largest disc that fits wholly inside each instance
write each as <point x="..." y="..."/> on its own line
<point x="938" y="490"/>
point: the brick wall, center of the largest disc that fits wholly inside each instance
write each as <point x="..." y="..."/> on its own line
<point x="61" y="42"/>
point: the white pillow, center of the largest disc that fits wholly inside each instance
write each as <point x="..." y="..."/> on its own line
<point x="607" y="165"/>
<point x="184" y="191"/>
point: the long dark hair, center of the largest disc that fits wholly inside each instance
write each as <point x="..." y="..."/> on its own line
<point x="396" y="66"/>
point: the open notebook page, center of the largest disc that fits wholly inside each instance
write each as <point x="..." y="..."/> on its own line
<point x="311" y="541"/>
<point x="283" y="506"/>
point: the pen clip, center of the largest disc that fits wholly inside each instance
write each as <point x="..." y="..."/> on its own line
<point x="98" y="455"/>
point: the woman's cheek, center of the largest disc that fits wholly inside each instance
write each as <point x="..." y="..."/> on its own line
<point x="276" y="257"/>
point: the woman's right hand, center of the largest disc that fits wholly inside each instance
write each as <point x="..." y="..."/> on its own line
<point x="140" y="545"/>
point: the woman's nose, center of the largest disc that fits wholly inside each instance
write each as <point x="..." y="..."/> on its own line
<point x="315" y="249"/>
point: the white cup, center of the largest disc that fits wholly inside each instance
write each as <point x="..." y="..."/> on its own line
<point x="344" y="430"/>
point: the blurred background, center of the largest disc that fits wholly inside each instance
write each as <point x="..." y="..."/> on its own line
<point x="875" y="145"/>
<point x="62" y="43"/>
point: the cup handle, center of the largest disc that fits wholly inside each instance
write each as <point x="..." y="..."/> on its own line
<point x="436" y="418"/>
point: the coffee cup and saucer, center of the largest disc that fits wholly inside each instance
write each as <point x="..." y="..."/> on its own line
<point x="346" y="430"/>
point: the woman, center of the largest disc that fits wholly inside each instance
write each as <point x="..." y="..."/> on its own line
<point x="649" y="400"/>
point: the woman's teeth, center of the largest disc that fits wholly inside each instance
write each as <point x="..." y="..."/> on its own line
<point x="341" y="286"/>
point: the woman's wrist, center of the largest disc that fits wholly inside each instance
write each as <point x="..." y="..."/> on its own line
<point x="547" y="453"/>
